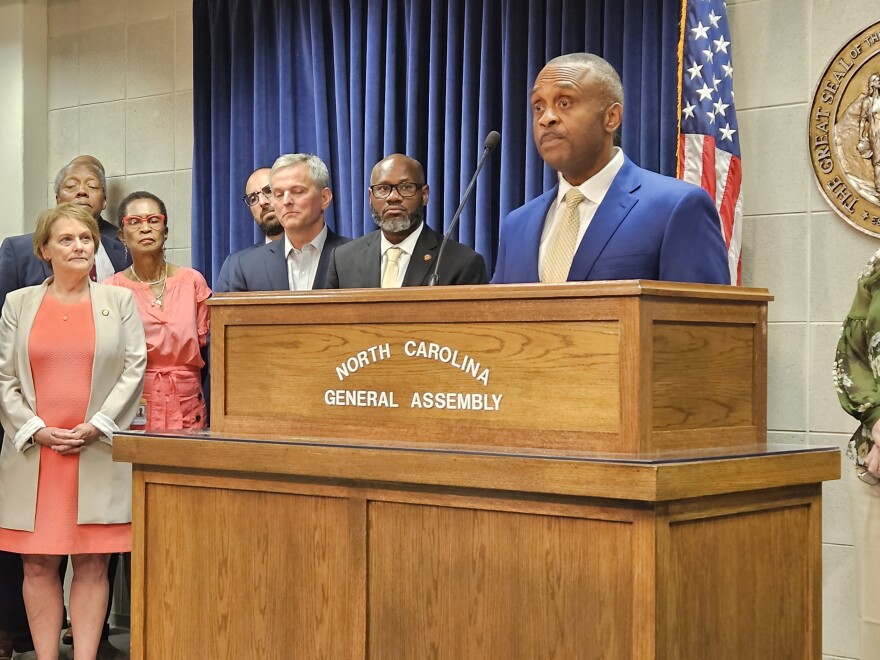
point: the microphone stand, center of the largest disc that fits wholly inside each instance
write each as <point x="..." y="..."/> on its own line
<point x="491" y="142"/>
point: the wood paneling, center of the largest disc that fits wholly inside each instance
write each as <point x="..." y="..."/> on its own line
<point x="598" y="366"/>
<point x="280" y="549"/>
<point x="702" y="376"/>
<point x="252" y="574"/>
<point x="481" y="585"/>
<point x="749" y="578"/>
<point x="541" y="472"/>
<point x="521" y="363"/>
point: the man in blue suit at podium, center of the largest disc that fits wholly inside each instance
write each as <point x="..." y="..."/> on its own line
<point x="607" y="219"/>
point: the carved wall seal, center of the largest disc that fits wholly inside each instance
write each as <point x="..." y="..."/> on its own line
<point x="845" y="131"/>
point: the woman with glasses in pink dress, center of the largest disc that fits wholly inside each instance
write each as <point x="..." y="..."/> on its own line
<point x="171" y="300"/>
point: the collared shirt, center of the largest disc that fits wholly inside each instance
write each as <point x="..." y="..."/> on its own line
<point x="103" y="266"/>
<point x="303" y="264"/>
<point x="407" y="246"/>
<point x="593" y="189"/>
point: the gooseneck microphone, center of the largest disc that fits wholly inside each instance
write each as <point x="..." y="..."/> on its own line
<point x="491" y="142"/>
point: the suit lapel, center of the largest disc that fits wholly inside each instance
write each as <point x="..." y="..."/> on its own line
<point x="618" y="202"/>
<point x="330" y="243"/>
<point x="116" y="252"/>
<point x="423" y="257"/>
<point x="276" y="266"/>
<point x="370" y="262"/>
<point x="525" y="255"/>
<point x="30" y="305"/>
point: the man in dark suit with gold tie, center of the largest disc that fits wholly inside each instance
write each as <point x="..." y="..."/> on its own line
<point x="403" y="251"/>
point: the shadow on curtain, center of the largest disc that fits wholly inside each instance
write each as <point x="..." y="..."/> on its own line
<point x="355" y="80"/>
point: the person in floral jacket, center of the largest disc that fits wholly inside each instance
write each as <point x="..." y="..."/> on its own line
<point x="857" y="380"/>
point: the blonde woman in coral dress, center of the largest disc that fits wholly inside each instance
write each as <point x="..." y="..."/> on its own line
<point x="72" y="359"/>
<point x="172" y="303"/>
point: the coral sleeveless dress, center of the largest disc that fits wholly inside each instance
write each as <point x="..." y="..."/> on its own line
<point x="62" y="353"/>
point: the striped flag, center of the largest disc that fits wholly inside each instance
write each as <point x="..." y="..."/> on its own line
<point x="708" y="144"/>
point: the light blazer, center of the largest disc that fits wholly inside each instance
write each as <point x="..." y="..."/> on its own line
<point x="264" y="267"/>
<point x="117" y="383"/>
<point x="358" y="264"/>
<point x="19" y="267"/>
<point x="649" y="227"/>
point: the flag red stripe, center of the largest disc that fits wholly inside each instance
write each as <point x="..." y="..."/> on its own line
<point x="731" y="194"/>
<point x="708" y="178"/>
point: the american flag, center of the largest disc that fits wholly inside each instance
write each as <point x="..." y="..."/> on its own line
<point x="708" y="144"/>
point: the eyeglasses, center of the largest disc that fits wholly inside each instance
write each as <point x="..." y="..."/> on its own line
<point x="253" y="198"/>
<point x="866" y="477"/>
<point x="405" y="189"/>
<point x="153" y="220"/>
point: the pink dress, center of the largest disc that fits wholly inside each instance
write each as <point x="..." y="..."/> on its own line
<point x="61" y="357"/>
<point x="175" y="334"/>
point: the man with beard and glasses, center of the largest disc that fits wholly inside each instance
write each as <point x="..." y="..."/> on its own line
<point x="258" y="197"/>
<point x="403" y="251"/>
<point x="298" y="261"/>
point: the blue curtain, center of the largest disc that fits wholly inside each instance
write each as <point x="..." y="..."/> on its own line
<point x="355" y="80"/>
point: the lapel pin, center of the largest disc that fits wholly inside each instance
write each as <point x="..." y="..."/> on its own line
<point x="427" y="257"/>
<point x="105" y="312"/>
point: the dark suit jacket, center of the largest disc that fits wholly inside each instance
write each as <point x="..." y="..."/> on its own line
<point x="264" y="267"/>
<point x="358" y="265"/>
<point x="222" y="283"/>
<point x="20" y="267"/>
<point x="649" y="227"/>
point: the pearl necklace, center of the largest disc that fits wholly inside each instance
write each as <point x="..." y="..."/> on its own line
<point x="158" y="299"/>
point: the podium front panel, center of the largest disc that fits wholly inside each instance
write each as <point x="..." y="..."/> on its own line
<point x="608" y="366"/>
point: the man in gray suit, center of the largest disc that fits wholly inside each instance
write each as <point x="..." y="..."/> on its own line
<point x="403" y="251"/>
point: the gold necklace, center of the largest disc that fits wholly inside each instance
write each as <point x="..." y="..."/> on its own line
<point x="66" y="309"/>
<point x="158" y="299"/>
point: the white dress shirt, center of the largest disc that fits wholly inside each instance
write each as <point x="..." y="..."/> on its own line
<point x="103" y="266"/>
<point x="303" y="264"/>
<point x="593" y="189"/>
<point x="407" y="246"/>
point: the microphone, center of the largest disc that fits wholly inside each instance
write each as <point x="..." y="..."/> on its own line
<point x="491" y="142"/>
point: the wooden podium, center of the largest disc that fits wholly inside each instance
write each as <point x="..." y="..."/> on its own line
<point x="598" y="486"/>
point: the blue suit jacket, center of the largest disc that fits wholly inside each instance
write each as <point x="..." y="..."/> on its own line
<point x="264" y="267"/>
<point x="648" y="227"/>
<point x="222" y="283"/>
<point x="19" y="266"/>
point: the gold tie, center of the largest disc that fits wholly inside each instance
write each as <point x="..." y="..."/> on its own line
<point x="389" y="279"/>
<point x="558" y="260"/>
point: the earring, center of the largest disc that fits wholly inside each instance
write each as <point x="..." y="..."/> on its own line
<point x="125" y="247"/>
